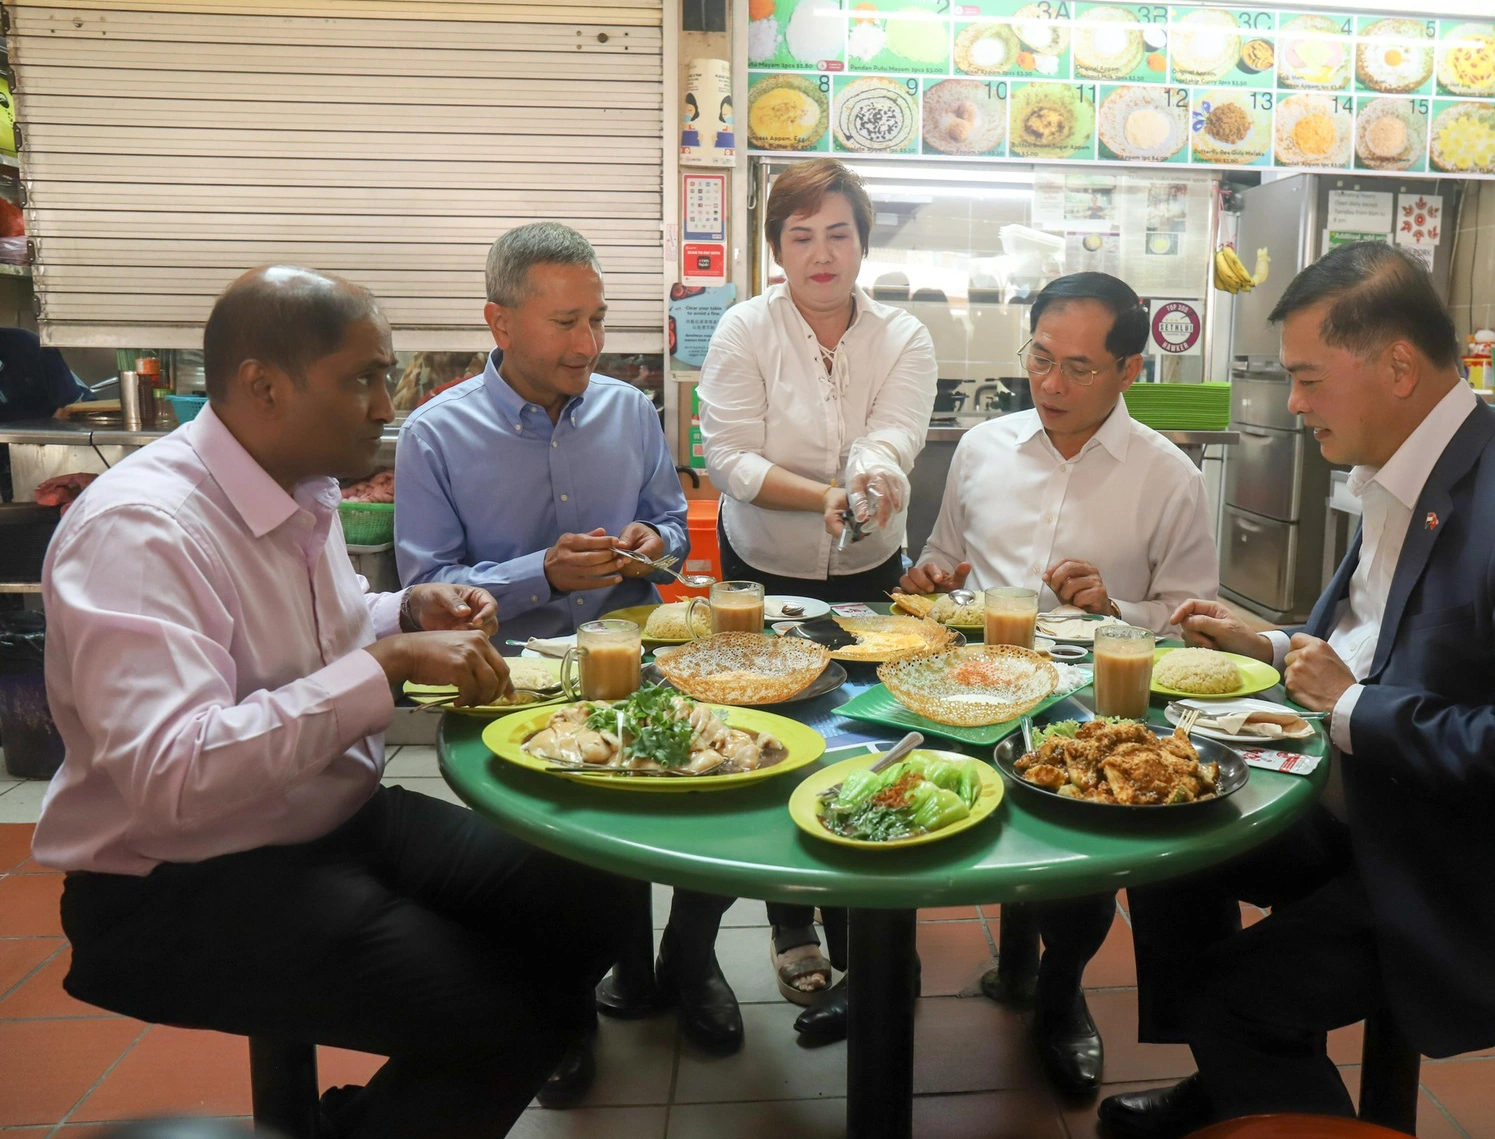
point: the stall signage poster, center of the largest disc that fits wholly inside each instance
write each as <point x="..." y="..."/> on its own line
<point x="1367" y="210"/>
<point x="1419" y="219"/>
<point x="1334" y="238"/>
<point x="703" y="263"/>
<point x="694" y="315"/>
<point x="1177" y="328"/>
<point x="703" y="199"/>
<point x="1072" y="81"/>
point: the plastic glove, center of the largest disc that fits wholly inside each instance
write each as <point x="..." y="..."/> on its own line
<point x="876" y="486"/>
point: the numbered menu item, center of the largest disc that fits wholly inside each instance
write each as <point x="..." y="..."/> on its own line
<point x="1052" y="120"/>
<point x="1147" y="124"/>
<point x="897" y="36"/>
<point x="1391" y="134"/>
<point x="1395" y="56"/>
<point x="1314" y="130"/>
<point x="795" y="33"/>
<point x="1463" y="138"/>
<point x="1468" y="63"/>
<point x="1232" y="127"/>
<point x="1205" y="46"/>
<point x="1035" y="42"/>
<point x="1113" y="43"/>
<point x="787" y="112"/>
<point x="1313" y="53"/>
<point x="877" y="115"/>
<point x="965" y="116"/>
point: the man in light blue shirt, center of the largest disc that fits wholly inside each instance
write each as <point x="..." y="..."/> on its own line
<point x="523" y="480"/>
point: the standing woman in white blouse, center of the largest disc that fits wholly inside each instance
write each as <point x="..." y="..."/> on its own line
<point x="809" y="391"/>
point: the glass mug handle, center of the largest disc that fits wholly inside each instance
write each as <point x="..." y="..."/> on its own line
<point x="572" y="686"/>
<point x="690" y="617"/>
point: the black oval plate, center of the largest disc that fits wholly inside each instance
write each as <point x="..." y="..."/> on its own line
<point x="828" y="681"/>
<point x="1233" y="772"/>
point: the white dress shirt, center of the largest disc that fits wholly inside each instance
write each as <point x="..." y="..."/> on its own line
<point x="1387" y="495"/>
<point x="204" y="662"/>
<point x="1130" y="503"/>
<point x="767" y="400"/>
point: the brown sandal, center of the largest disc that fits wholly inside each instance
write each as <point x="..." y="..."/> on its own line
<point x="803" y="971"/>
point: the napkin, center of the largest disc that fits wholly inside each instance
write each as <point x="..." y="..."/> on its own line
<point x="1267" y="725"/>
<point x="554" y="647"/>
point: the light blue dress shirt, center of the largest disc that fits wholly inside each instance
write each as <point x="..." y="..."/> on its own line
<point x="485" y="484"/>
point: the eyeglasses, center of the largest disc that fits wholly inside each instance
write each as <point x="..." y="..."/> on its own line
<point x="1036" y="365"/>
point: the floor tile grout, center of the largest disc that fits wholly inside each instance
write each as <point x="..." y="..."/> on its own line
<point x="130" y="1047"/>
<point x="11" y="991"/>
<point x="1448" y="1115"/>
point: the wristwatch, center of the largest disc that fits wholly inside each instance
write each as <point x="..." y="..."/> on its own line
<point x="1115" y="609"/>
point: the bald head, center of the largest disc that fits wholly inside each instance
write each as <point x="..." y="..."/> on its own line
<point x="280" y="315"/>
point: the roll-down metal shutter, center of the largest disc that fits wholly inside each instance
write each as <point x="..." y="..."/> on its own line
<point x="170" y="144"/>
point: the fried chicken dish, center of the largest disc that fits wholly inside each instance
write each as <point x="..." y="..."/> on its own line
<point x="1121" y="762"/>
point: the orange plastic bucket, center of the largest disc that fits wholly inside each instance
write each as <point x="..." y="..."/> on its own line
<point x="705" y="555"/>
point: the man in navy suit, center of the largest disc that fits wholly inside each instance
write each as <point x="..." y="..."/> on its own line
<point x="1382" y="901"/>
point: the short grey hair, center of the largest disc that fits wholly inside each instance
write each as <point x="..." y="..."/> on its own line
<point x="541" y="243"/>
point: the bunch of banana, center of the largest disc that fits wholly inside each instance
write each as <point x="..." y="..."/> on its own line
<point x="1231" y="274"/>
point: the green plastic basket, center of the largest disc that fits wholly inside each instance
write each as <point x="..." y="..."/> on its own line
<point x="1180" y="407"/>
<point x="368" y="523"/>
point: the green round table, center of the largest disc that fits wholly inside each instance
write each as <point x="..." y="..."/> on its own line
<point x="743" y="843"/>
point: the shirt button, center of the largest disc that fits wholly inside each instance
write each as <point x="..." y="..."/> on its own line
<point x="1036" y="568"/>
<point x="534" y="598"/>
<point x="580" y="601"/>
<point x="564" y="498"/>
<point x="518" y="427"/>
<point x="1048" y="517"/>
<point x="553" y="443"/>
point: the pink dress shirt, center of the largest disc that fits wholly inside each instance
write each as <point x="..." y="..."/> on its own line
<point x="205" y="663"/>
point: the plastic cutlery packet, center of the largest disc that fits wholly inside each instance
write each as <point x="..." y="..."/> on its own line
<point x="1242" y="718"/>
<point x="1288" y="762"/>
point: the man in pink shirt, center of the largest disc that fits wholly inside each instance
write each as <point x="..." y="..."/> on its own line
<point x="222" y="682"/>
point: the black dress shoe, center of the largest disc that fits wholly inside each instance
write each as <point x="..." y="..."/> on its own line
<point x="824" y="1022"/>
<point x="1010" y="987"/>
<point x="709" y="1016"/>
<point x="1162" y="1113"/>
<point x="573" y="1076"/>
<point x="1070" y="1048"/>
<point x="628" y="994"/>
<point x="335" y="1114"/>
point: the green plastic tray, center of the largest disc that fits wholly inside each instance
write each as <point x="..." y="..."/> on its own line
<point x="878" y="706"/>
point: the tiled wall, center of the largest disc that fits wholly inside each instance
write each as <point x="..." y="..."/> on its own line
<point x="1472" y="292"/>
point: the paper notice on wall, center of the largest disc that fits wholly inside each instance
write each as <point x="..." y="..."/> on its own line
<point x="1423" y="253"/>
<point x="1419" y="219"/>
<point x="1048" y="201"/>
<point x="694" y="315"/>
<point x="707" y="136"/>
<point x="1366" y="210"/>
<point x="1334" y="238"/>
<point x="1092" y="253"/>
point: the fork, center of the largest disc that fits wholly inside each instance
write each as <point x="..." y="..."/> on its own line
<point x="691" y="581"/>
<point x="442" y="702"/>
<point x="1188" y="719"/>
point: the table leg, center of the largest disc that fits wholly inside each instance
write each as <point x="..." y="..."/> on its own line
<point x="880" y="1025"/>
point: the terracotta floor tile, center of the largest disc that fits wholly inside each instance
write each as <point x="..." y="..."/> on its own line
<point x="1250" y="914"/>
<point x="950" y="913"/>
<point x="27" y="1133"/>
<point x="49" y="1065"/>
<point x="1345" y="1044"/>
<point x="100" y="1130"/>
<point x="19" y="956"/>
<point x="1463" y="1088"/>
<point x="15" y="844"/>
<point x="338" y="1066"/>
<point x="32" y="866"/>
<point x="1028" y="1113"/>
<point x="964" y="1044"/>
<point x="954" y="954"/>
<point x="1080" y="1119"/>
<point x="1127" y="1061"/>
<point x="1115" y="966"/>
<point x="1432" y="1122"/>
<point x="28" y="905"/>
<point x="43" y="994"/>
<point x="174" y="1071"/>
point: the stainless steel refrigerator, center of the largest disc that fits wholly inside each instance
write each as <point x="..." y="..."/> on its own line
<point x="1276" y="483"/>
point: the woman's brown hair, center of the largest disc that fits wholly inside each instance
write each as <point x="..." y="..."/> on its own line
<point x="801" y="189"/>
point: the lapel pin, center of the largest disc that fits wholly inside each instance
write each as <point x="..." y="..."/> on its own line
<point x="1430" y="522"/>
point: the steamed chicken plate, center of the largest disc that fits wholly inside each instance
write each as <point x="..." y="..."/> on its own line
<point x="1118" y="761"/>
<point x="652" y="730"/>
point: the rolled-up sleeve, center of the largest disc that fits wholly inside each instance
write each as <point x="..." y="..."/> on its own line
<point x="147" y="639"/>
<point x="899" y="417"/>
<point x="734" y="411"/>
<point x="431" y="542"/>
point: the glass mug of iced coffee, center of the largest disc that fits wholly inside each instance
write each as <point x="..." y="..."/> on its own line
<point x="607" y="658"/>
<point x="736" y="607"/>
<point x="1123" y="671"/>
<point x="1011" y="615"/>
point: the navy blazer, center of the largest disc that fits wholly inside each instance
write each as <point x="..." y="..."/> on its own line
<point x="1420" y="782"/>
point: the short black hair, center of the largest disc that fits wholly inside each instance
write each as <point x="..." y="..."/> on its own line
<point x="282" y="315"/>
<point x="1128" y="335"/>
<point x="1376" y="294"/>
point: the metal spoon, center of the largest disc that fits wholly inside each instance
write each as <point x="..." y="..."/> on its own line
<point x="689" y="580"/>
<point x="963" y="597"/>
<point x="897" y="752"/>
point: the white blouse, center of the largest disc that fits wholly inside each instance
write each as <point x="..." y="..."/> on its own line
<point x="767" y="400"/>
<point x="1130" y="503"/>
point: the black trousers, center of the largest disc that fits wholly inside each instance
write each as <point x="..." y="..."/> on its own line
<point x="415" y="931"/>
<point x="1256" y="1004"/>
<point x="869" y="585"/>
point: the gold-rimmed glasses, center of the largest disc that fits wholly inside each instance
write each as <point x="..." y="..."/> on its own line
<point x="1037" y="365"/>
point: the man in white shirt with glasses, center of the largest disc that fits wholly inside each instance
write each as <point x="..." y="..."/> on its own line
<point x="1082" y="503"/>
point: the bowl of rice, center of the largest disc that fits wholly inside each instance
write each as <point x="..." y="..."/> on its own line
<point x="1198" y="672"/>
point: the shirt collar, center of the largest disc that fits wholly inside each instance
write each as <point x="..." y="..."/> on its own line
<point x="259" y="499"/>
<point x="864" y="305"/>
<point x="1115" y="434"/>
<point x="510" y="406"/>
<point x="1407" y="471"/>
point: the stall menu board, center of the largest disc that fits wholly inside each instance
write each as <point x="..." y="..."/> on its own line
<point x="1067" y="80"/>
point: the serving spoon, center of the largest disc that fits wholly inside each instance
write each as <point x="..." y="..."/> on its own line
<point x="897" y="752"/>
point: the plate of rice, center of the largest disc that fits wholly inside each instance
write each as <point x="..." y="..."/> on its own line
<point x="1210" y="673"/>
<point x="664" y="624"/>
